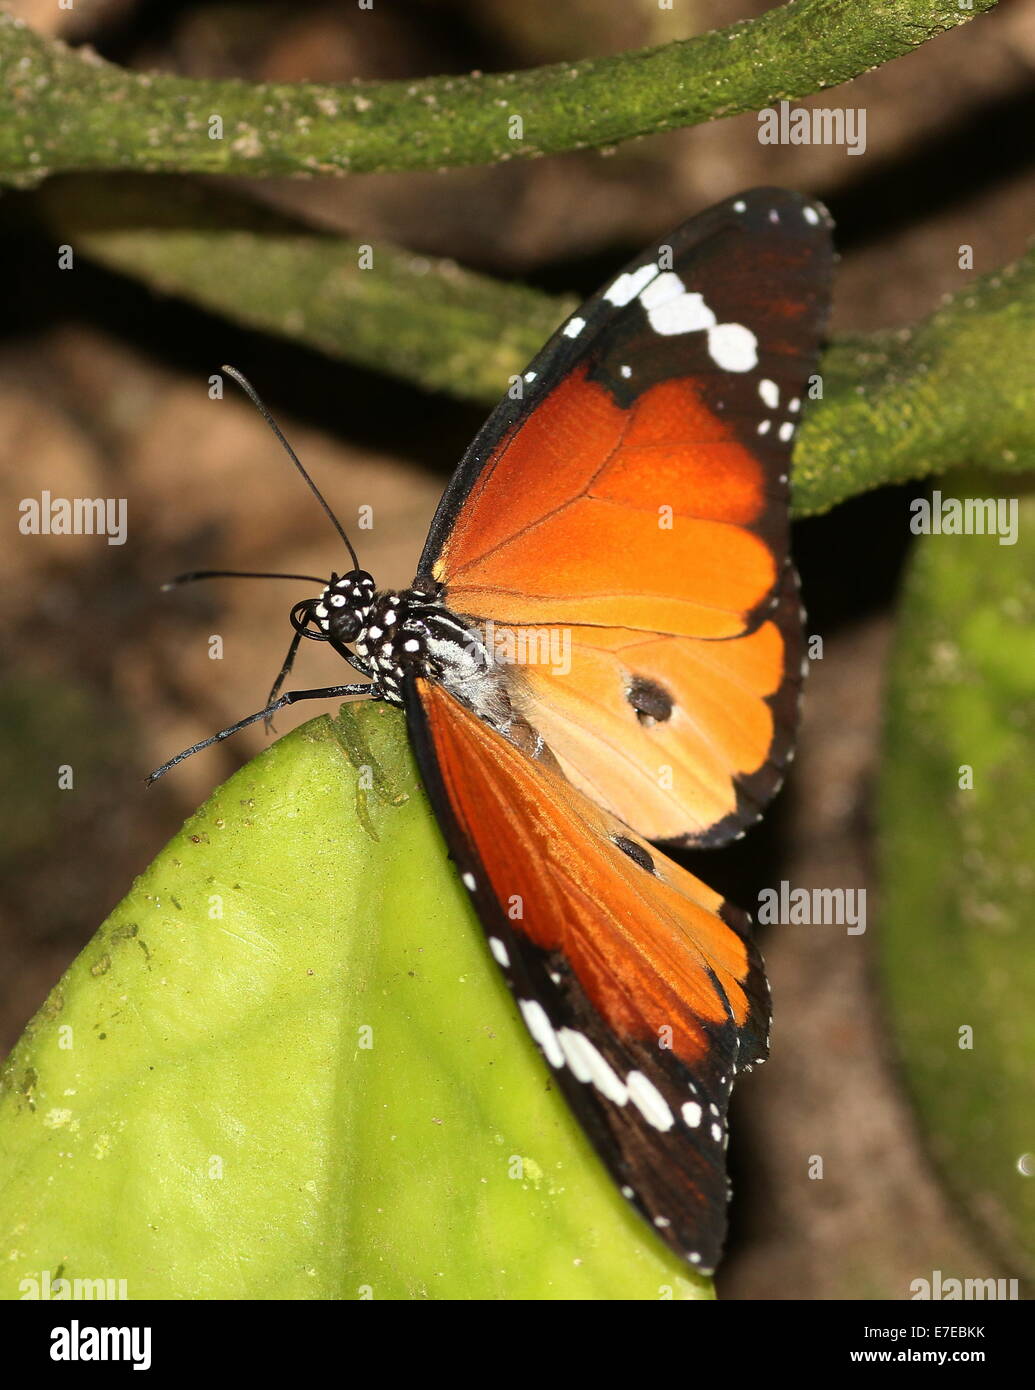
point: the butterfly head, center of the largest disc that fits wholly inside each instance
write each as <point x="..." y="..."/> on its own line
<point x="341" y="611"/>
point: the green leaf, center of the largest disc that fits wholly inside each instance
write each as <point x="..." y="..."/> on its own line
<point x="956" y="944"/>
<point x="196" y="1109"/>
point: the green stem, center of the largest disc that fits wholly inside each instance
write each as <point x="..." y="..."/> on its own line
<point x="955" y="389"/>
<point x="63" y="109"/>
<point x="426" y="320"/>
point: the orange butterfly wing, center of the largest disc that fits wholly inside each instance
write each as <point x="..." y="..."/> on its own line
<point x="651" y="725"/>
<point x="635" y="979"/>
<point x="569" y="523"/>
<point x="635" y="504"/>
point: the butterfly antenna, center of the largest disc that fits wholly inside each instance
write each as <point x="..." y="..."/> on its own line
<point x="194" y="575"/>
<point x="253" y="395"/>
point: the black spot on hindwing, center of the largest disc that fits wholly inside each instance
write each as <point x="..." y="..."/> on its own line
<point x="651" y="701"/>
<point x="635" y="852"/>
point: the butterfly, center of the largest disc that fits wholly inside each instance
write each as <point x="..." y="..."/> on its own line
<point x="602" y="653"/>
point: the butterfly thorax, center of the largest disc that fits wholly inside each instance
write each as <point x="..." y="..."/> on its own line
<point x="396" y="633"/>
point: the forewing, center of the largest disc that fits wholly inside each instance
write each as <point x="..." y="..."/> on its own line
<point x="639" y="492"/>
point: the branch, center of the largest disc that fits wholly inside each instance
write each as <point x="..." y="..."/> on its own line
<point x="954" y="389"/>
<point x="426" y="320"/>
<point x="63" y="109"/>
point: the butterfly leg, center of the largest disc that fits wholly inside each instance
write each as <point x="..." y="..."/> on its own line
<point x="282" y="676"/>
<point x="330" y="692"/>
<point x="300" y="615"/>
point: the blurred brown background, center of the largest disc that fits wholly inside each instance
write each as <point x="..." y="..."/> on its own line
<point x="103" y="392"/>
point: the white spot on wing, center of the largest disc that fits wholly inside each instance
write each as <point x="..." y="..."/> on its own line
<point x="672" y="309"/>
<point x="692" y="1113"/>
<point x="498" y="949"/>
<point x="542" y="1030"/>
<point x="770" y="392"/>
<point x="810" y="215"/>
<point x="733" y="347"/>
<point x="468" y="881"/>
<point x="666" y="287"/>
<point x="787" y="431"/>
<point x="629" y="285"/>
<point x="587" y="1064"/>
<point x="574" y="327"/>
<point x="686" y="314"/>
<point x="649" y="1101"/>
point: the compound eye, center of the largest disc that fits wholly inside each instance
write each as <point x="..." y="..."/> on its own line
<point x="345" y="625"/>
